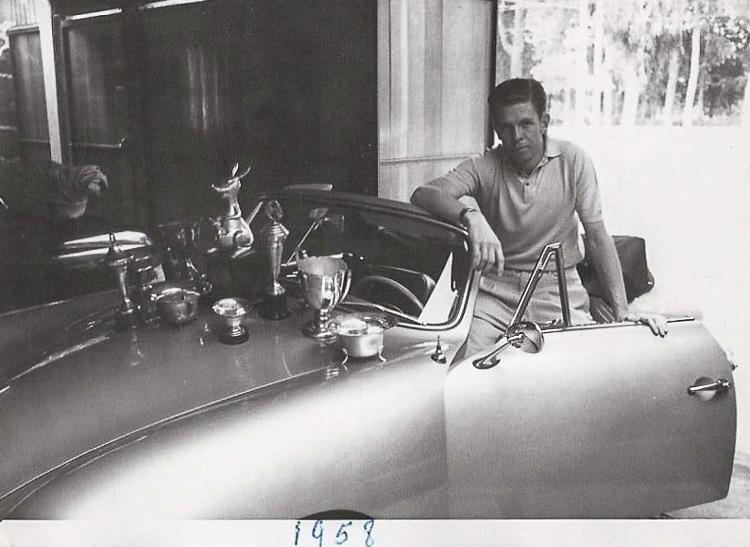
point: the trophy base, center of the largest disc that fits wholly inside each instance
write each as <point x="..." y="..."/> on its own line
<point x="315" y="331"/>
<point x="234" y="339"/>
<point x="347" y="356"/>
<point x="274" y="307"/>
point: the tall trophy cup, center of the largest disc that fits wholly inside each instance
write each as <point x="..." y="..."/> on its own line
<point x="273" y="236"/>
<point x="325" y="282"/>
<point x="119" y="262"/>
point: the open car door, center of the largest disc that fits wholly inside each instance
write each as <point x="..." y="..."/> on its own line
<point x="603" y="421"/>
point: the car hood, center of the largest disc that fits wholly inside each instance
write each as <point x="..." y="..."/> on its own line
<point x="70" y="387"/>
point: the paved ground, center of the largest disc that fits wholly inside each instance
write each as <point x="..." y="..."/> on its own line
<point x="737" y="503"/>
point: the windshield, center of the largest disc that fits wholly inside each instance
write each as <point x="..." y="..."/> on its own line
<point x="415" y="267"/>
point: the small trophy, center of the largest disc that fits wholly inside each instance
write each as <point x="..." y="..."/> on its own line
<point x="273" y="236"/>
<point x="232" y="311"/>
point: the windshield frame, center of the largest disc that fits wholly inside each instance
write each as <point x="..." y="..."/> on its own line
<point x="406" y="212"/>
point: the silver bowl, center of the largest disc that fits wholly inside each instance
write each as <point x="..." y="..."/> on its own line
<point x="361" y="335"/>
<point x="177" y="305"/>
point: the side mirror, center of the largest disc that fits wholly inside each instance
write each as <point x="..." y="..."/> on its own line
<point x="525" y="335"/>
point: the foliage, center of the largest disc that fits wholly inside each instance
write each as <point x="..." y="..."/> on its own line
<point x="640" y="36"/>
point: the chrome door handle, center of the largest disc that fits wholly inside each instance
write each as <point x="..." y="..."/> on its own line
<point x="720" y="385"/>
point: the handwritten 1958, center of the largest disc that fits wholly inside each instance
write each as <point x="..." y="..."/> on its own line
<point x="329" y="533"/>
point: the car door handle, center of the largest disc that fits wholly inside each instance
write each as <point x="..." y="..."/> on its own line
<point x="704" y="384"/>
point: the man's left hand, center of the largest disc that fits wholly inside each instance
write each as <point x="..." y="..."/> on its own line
<point x="656" y="322"/>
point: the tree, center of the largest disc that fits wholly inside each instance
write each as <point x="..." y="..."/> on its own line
<point x="695" y="17"/>
<point x="600" y="82"/>
<point x="673" y="72"/>
<point x="695" y="55"/>
<point x="552" y="33"/>
<point x="670" y="34"/>
<point x="634" y="28"/>
<point x="644" y="56"/>
<point x="513" y="47"/>
<point x="727" y="58"/>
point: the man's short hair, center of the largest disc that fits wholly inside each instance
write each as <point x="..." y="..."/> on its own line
<point x="518" y="90"/>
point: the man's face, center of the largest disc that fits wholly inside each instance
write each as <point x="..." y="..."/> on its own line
<point x="522" y="132"/>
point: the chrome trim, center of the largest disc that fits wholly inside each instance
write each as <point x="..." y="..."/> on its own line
<point x="719" y="385"/>
<point x="438" y="356"/>
<point x="492" y="359"/>
<point x="169" y="3"/>
<point x="93" y="15"/>
<point x="622" y="324"/>
<point x="423" y="159"/>
<point x="536" y="274"/>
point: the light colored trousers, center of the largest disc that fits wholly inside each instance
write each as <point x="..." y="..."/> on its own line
<point x="499" y="295"/>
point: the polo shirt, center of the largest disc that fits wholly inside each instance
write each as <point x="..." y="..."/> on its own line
<point x="527" y="213"/>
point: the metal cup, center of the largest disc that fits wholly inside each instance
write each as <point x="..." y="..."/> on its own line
<point x="325" y="282"/>
<point x="232" y="311"/>
<point x="177" y="305"/>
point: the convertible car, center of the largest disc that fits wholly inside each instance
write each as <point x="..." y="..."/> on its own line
<point x="104" y="418"/>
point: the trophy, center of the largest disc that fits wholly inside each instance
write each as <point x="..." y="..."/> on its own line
<point x="273" y="236"/>
<point x="119" y="262"/>
<point x="325" y="282"/>
<point x="233" y="233"/>
<point x="232" y="311"/>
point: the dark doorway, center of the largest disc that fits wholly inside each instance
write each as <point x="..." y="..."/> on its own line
<point x="168" y="97"/>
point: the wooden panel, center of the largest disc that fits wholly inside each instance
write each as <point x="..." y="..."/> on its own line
<point x="96" y="81"/>
<point x="466" y="82"/>
<point x="33" y="132"/>
<point x="289" y="88"/>
<point x="435" y="73"/>
<point x="412" y="173"/>
<point x="8" y="117"/>
<point x="180" y="68"/>
<point x="29" y="78"/>
<point x="21" y="12"/>
<point x="310" y="97"/>
<point x="103" y="114"/>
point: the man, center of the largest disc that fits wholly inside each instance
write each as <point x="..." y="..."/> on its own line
<point x="531" y="191"/>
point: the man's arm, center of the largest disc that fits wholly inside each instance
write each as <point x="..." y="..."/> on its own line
<point x="486" y="250"/>
<point x="438" y="202"/>
<point x="601" y="247"/>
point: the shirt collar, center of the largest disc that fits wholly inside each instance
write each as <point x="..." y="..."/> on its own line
<point x="551" y="147"/>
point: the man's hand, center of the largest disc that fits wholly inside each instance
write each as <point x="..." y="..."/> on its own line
<point x="656" y="322"/>
<point x="486" y="250"/>
<point x="604" y="255"/>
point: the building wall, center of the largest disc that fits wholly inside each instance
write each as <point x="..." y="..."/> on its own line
<point x="435" y="61"/>
<point x="20" y="12"/>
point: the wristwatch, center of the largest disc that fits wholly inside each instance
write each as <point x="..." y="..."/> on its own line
<point x="465" y="211"/>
